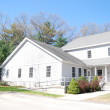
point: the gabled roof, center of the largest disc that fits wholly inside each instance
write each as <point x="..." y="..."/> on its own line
<point x="58" y="52"/>
<point x="88" y="41"/>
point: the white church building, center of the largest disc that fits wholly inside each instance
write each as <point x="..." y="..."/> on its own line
<point x="40" y="63"/>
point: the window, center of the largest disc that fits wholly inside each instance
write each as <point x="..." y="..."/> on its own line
<point x="89" y="54"/>
<point x="73" y="71"/>
<point x="31" y="72"/>
<point x="19" y="73"/>
<point x="48" y="71"/>
<point x="79" y="72"/>
<point x="7" y="73"/>
<point x="88" y="73"/>
<point x="85" y="72"/>
<point x="108" y="51"/>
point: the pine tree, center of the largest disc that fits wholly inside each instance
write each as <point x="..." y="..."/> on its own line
<point x="73" y="88"/>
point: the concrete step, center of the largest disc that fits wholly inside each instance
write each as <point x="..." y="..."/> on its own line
<point x="106" y="86"/>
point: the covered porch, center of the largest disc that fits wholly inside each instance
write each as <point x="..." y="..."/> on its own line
<point x="103" y="72"/>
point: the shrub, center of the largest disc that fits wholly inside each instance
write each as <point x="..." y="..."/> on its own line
<point x="82" y="78"/>
<point x="73" y="87"/>
<point x="95" y="78"/>
<point x="84" y="86"/>
<point x="95" y="84"/>
<point x="2" y="83"/>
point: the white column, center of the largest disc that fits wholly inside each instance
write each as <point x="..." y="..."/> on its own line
<point x="82" y="70"/>
<point x="95" y="71"/>
<point x="105" y="73"/>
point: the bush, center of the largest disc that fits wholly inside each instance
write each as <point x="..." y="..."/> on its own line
<point x="95" y="78"/>
<point x="82" y="78"/>
<point x="73" y="87"/>
<point x="84" y="86"/>
<point x="95" y="84"/>
<point x="2" y="83"/>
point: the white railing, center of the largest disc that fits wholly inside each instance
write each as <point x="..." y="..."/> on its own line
<point x="102" y="82"/>
<point x="64" y="81"/>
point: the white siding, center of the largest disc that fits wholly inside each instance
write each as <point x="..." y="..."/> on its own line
<point x="31" y="56"/>
<point x="67" y="70"/>
<point x="96" y="52"/>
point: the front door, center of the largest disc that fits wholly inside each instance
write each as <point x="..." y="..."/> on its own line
<point x="99" y="72"/>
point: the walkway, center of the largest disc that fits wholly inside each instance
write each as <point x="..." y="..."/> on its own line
<point x="84" y="96"/>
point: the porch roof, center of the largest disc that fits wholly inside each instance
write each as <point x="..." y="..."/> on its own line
<point x="98" y="61"/>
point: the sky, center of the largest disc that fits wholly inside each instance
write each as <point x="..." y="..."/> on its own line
<point x="74" y="12"/>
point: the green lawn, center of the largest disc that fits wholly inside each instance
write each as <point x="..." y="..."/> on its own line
<point x="17" y="89"/>
<point x="100" y="99"/>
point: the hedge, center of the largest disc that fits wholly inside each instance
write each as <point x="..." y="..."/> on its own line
<point x="82" y="85"/>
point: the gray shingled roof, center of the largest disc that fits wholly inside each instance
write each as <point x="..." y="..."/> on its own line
<point x="98" y="61"/>
<point x="88" y="41"/>
<point x="60" y="53"/>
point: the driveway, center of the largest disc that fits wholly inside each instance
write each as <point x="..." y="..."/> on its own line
<point x="17" y="101"/>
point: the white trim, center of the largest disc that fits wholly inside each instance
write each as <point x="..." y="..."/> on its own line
<point x="15" y="50"/>
<point x="87" y="46"/>
<point x="20" y="45"/>
<point x="105" y="73"/>
<point x="95" y="70"/>
<point x="80" y="65"/>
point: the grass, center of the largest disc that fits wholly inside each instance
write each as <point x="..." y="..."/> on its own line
<point x="100" y="99"/>
<point x="17" y="89"/>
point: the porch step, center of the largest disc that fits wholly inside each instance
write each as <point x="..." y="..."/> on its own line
<point x="106" y="86"/>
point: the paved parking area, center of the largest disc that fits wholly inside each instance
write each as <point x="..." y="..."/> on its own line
<point x="17" y="101"/>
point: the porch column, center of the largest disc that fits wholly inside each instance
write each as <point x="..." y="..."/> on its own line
<point x="95" y="71"/>
<point x="105" y="73"/>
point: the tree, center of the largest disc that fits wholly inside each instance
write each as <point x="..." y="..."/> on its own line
<point x="105" y="27"/>
<point x="90" y="29"/>
<point x="48" y="28"/>
<point x="47" y="33"/>
<point x="84" y="84"/>
<point x="5" y="50"/>
<point x="4" y="23"/>
<point x="95" y="84"/>
<point x="61" y="41"/>
<point x="15" y="34"/>
<point x="73" y="87"/>
<point x="24" y="24"/>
